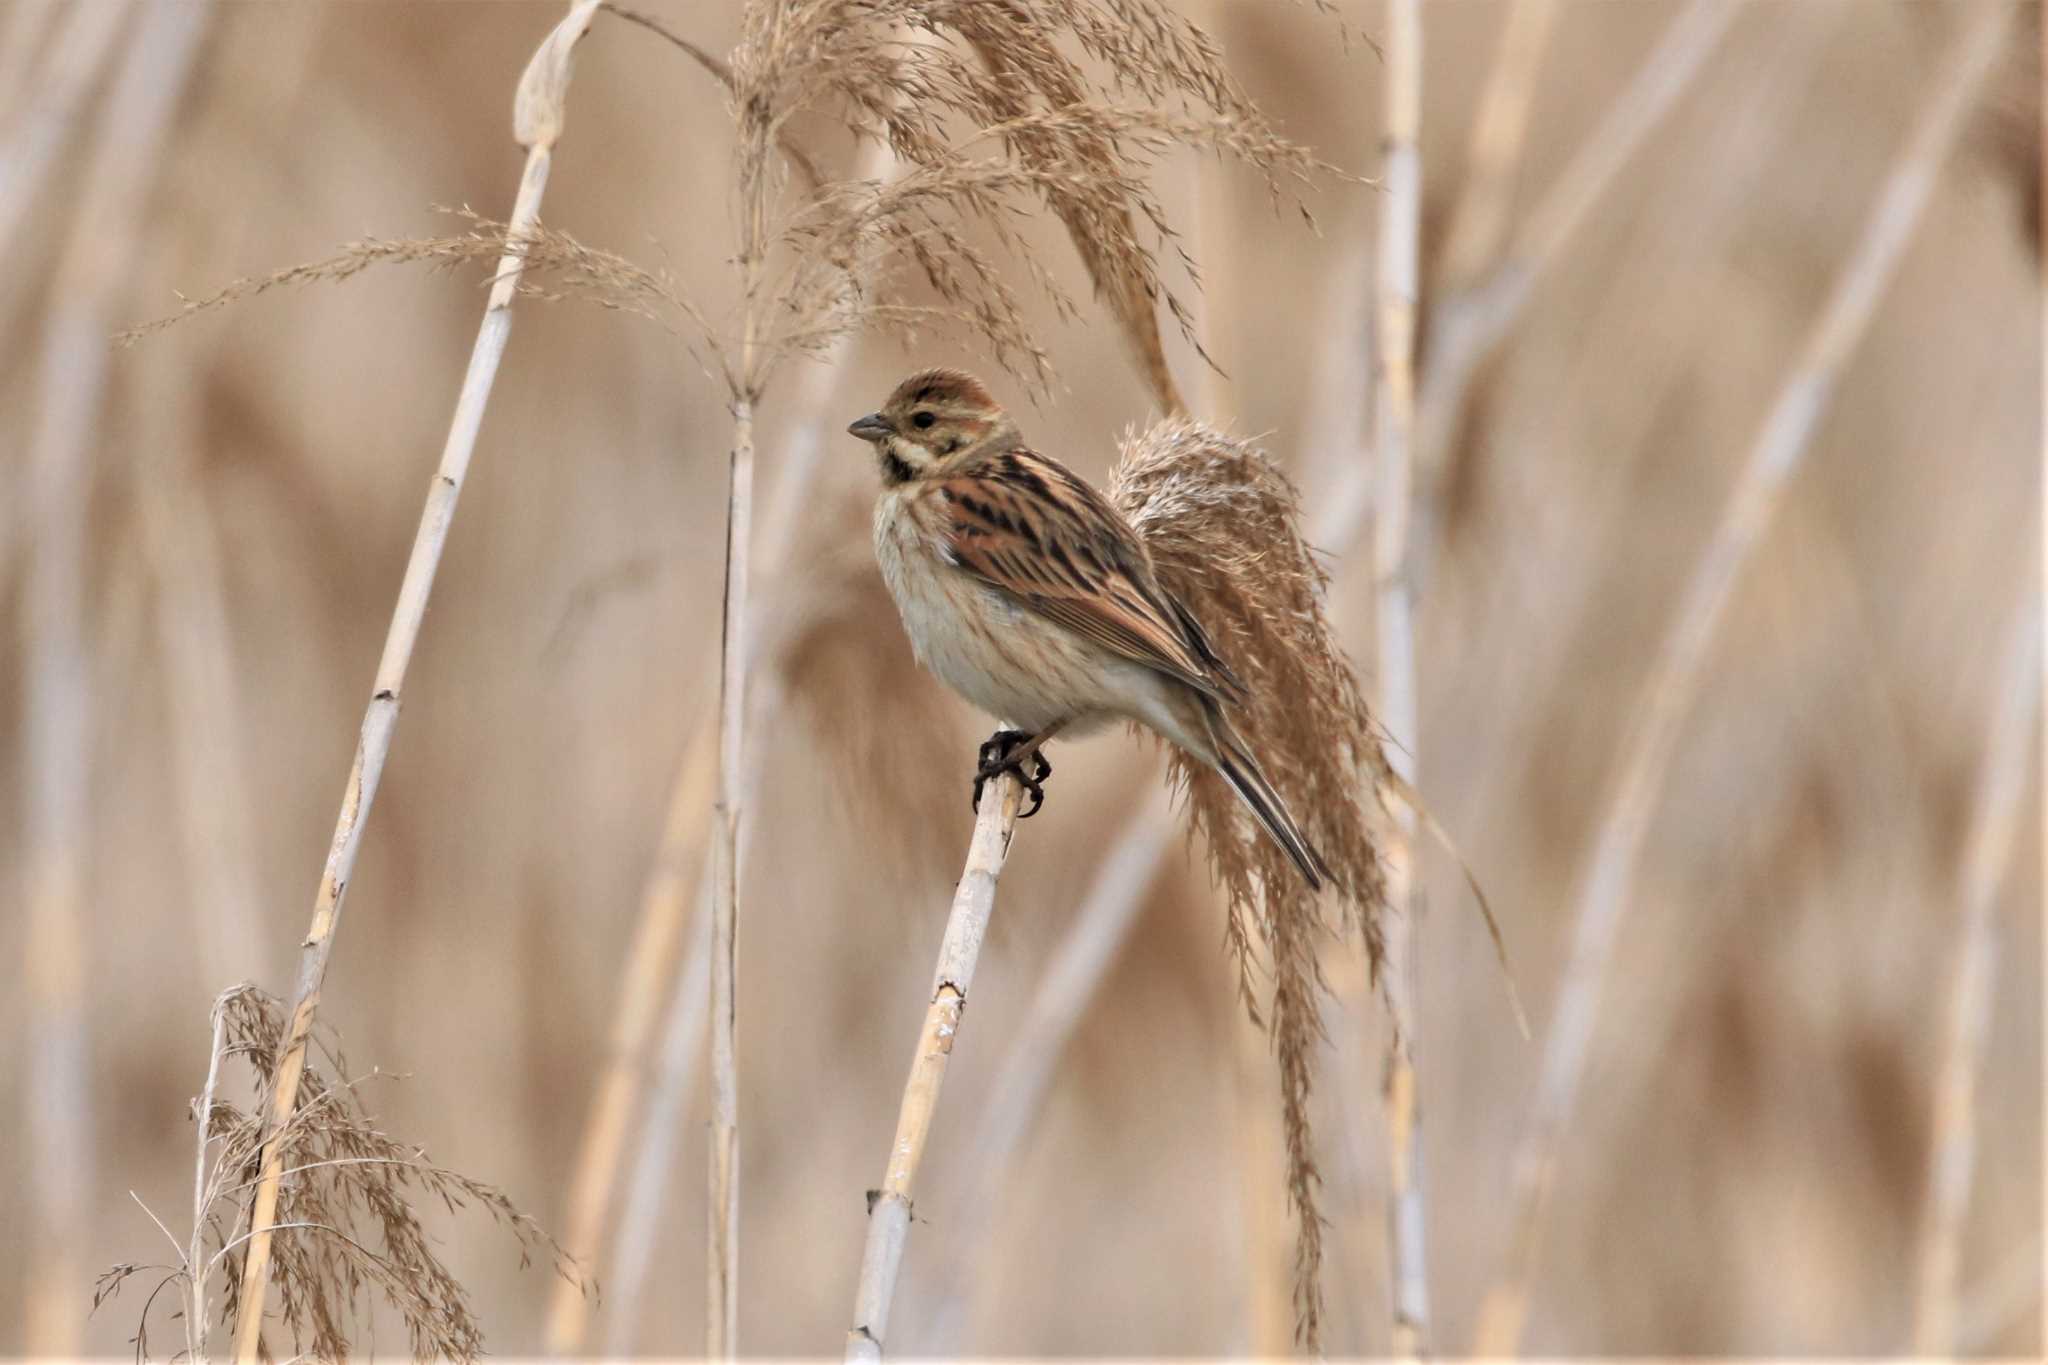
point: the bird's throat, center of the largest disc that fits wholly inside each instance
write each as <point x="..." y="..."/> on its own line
<point x="895" y="469"/>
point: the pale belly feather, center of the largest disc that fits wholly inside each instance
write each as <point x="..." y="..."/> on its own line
<point x="1005" y="659"/>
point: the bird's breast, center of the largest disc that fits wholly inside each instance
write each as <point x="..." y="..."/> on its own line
<point x="1007" y="660"/>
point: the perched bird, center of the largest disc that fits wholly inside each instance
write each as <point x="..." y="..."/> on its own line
<point x="1028" y="593"/>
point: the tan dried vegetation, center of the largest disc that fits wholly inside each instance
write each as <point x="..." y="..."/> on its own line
<point x="214" y="521"/>
<point x="1223" y="524"/>
<point x="991" y="119"/>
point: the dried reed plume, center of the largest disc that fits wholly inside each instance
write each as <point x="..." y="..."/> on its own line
<point x="1079" y="136"/>
<point x="346" y="1231"/>
<point x="1222" y="523"/>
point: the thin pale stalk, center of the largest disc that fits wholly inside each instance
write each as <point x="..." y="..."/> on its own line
<point x="1397" y="285"/>
<point x="1486" y="190"/>
<point x="1994" y="819"/>
<point x="651" y="960"/>
<point x="649" y="976"/>
<point x="646" y="1205"/>
<point x="974" y="900"/>
<point x="58" y="703"/>
<point x="722" y="1206"/>
<point x="67" y="77"/>
<point x="198" y="1265"/>
<point x="1070" y="982"/>
<point x="537" y="124"/>
<point x="1466" y="325"/>
<point x="721" y="1267"/>
<point x="1603" y="894"/>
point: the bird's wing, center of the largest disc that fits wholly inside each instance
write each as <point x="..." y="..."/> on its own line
<point x="1028" y="526"/>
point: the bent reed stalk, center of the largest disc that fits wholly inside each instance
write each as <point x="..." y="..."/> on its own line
<point x="538" y="112"/>
<point x="974" y="901"/>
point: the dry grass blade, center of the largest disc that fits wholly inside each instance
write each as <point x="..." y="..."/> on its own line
<point x="537" y="118"/>
<point x="974" y="901"/>
<point x="1602" y="897"/>
<point x="1994" y="818"/>
<point x="1222" y="525"/>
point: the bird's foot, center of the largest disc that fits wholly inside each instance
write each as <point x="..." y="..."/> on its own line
<point x="999" y="755"/>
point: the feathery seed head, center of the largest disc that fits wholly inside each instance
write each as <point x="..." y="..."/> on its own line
<point x="1222" y="524"/>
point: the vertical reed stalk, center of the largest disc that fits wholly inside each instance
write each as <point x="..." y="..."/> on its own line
<point x="57" y="741"/>
<point x="1602" y="897"/>
<point x="974" y="900"/>
<point x="649" y="974"/>
<point x="645" y="1209"/>
<point x="69" y="74"/>
<point x="651" y="961"/>
<point x="752" y="177"/>
<point x="721" y="1267"/>
<point x="198" y="1265"/>
<point x="538" y="112"/>
<point x="1395" y="702"/>
<point x="1994" y="817"/>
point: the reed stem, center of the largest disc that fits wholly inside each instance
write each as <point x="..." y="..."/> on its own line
<point x="974" y="900"/>
<point x="1397" y="286"/>
<point x="537" y="125"/>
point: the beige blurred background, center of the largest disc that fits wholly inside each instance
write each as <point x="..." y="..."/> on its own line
<point x="1746" y="1169"/>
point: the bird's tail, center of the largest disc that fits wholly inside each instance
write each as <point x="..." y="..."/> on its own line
<point x="1233" y="759"/>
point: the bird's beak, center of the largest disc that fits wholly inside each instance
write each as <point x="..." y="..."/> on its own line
<point x="872" y="427"/>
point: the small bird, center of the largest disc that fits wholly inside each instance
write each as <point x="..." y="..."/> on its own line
<point x="1031" y="596"/>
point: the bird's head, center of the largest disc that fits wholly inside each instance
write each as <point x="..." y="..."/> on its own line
<point x="933" y="418"/>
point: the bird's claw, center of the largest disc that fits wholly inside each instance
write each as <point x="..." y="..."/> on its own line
<point x="997" y="757"/>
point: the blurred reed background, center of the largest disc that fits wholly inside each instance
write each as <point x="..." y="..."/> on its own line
<point x="200" y="539"/>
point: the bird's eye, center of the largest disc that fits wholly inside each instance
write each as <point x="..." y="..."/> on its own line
<point x="924" y="419"/>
